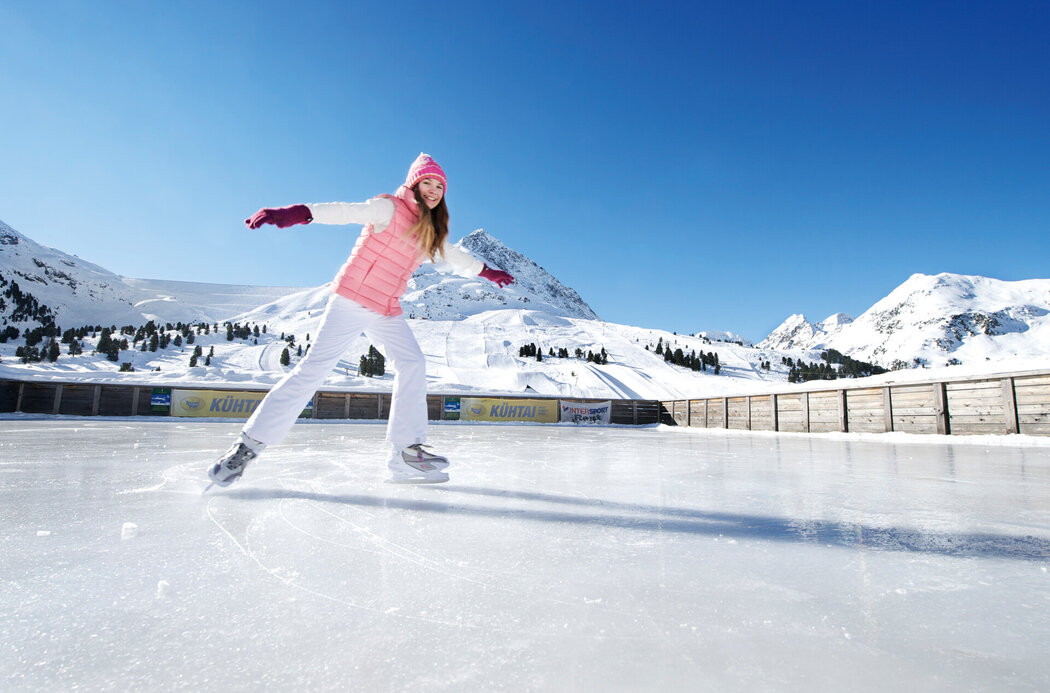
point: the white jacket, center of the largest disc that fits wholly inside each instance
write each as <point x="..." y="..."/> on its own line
<point x="378" y="212"/>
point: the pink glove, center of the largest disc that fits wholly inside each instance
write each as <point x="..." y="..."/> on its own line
<point x="281" y="217"/>
<point x="497" y="277"/>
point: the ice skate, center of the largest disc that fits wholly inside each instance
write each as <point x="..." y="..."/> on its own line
<point x="231" y="465"/>
<point x="416" y="465"/>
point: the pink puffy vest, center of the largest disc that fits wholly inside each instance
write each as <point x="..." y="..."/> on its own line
<point x="376" y="273"/>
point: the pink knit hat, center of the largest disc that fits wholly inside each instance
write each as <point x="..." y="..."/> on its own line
<point x="425" y="167"/>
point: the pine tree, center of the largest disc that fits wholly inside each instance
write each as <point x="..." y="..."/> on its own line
<point x="378" y="360"/>
<point x="286" y="358"/>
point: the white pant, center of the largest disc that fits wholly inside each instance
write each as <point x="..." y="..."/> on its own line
<point x="342" y="321"/>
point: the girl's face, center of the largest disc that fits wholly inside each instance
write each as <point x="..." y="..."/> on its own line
<point x="431" y="190"/>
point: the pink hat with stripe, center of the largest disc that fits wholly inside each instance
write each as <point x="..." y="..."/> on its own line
<point x="425" y="167"/>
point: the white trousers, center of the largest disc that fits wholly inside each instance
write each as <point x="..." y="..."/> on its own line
<point x="342" y="321"/>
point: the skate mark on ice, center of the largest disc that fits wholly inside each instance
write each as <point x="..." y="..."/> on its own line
<point x="293" y="582"/>
<point x="186" y="478"/>
<point x="290" y="582"/>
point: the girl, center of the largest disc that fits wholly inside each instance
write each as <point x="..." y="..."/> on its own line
<point x="401" y="231"/>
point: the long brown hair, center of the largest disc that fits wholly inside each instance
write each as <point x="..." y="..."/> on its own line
<point x="431" y="230"/>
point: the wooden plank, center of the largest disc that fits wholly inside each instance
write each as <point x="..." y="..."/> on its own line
<point x="902" y="427"/>
<point x="865" y="396"/>
<point x="976" y="395"/>
<point x="1040" y="393"/>
<point x="887" y="410"/>
<point x="843" y="412"/>
<point x="940" y="408"/>
<point x="1031" y="380"/>
<point x="791" y="422"/>
<point x="95" y="400"/>
<point x="1036" y="429"/>
<point x="58" y="399"/>
<point x="972" y="385"/>
<point x="914" y="411"/>
<point x="925" y="400"/>
<point x="805" y="412"/>
<point x="924" y="388"/>
<point x="975" y="404"/>
<point x="976" y="428"/>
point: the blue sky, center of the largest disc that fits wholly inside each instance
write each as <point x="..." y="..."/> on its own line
<point x="685" y="166"/>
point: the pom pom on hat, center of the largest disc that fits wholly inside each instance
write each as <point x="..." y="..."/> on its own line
<point x="425" y="167"/>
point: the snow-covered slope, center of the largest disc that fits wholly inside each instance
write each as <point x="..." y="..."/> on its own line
<point x="935" y="320"/>
<point x="79" y="293"/>
<point x="73" y="289"/>
<point x="723" y="336"/>
<point x="951" y="318"/>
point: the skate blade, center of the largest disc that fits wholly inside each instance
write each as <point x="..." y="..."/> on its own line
<point x="417" y="480"/>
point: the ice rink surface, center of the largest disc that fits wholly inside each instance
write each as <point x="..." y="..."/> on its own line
<point x="556" y="559"/>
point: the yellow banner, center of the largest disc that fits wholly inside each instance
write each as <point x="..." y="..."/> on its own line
<point x="224" y="404"/>
<point x="492" y="409"/>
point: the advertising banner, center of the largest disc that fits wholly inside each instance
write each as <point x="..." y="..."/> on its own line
<point x="226" y="404"/>
<point x="452" y="408"/>
<point x="494" y="409"/>
<point x="160" y="400"/>
<point x="589" y="413"/>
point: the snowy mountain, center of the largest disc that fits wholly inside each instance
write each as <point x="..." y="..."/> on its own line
<point x="70" y="287"/>
<point x="77" y="292"/>
<point x="935" y="320"/>
<point x="472" y="332"/>
<point x="532" y="282"/>
<point x="435" y="293"/>
<point x="798" y="334"/>
<point x="951" y="318"/>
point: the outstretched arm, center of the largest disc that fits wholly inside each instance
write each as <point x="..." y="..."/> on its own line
<point x="467" y="265"/>
<point x="378" y="211"/>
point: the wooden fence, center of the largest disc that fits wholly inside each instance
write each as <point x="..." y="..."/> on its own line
<point x="1014" y="403"/>
<point x="90" y="399"/>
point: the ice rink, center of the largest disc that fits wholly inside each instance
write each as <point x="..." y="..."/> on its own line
<point x="556" y="559"/>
